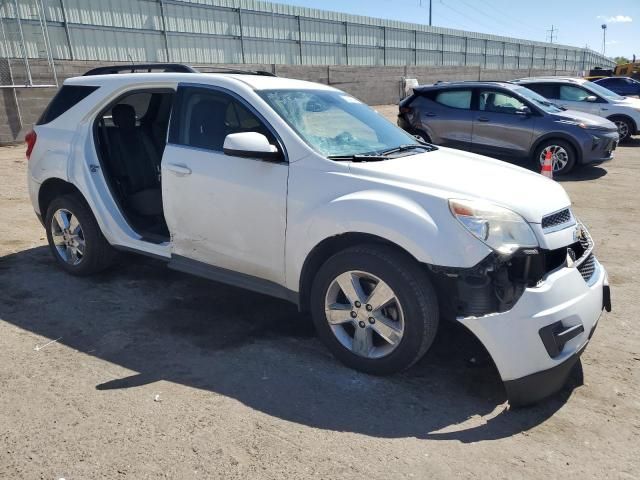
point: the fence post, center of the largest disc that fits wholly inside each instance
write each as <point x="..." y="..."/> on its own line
<point x="518" y="57"/>
<point x="24" y="46"/>
<point x="533" y="51"/>
<point x="486" y="42"/>
<point x="164" y="30"/>
<point x="241" y="35"/>
<point x="442" y="49"/>
<point x="42" y="16"/>
<point x="65" y="24"/>
<point x="504" y="53"/>
<point x="384" y="45"/>
<point x="300" y="38"/>
<point x="415" y="47"/>
<point x="346" y="42"/>
<point x="466" y="50"/>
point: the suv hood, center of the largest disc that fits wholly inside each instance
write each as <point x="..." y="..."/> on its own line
<point x="628" y="102"/>
<point x="588" y="119"/>
<point x="450" y="173"/>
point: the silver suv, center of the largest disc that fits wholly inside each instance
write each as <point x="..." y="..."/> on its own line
<point x="501" y="119"/>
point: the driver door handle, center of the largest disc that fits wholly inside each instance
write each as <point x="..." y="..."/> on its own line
<point x="180" y="170"/>
<point x="483" y="119"/>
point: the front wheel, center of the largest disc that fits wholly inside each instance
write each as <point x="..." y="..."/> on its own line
<point x="375" y="309"/>
<point x="563" y="156"/>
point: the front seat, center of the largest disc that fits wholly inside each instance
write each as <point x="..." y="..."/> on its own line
<point x="207" y="127"/>
<point x="135" y="160"/>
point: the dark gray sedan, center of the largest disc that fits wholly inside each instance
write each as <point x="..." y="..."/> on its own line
<point x="502" y="119"/>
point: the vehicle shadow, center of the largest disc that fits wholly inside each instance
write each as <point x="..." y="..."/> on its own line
<point x="165" y="325"/>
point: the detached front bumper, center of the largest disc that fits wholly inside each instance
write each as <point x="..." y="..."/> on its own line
<point x="536" y="343"/>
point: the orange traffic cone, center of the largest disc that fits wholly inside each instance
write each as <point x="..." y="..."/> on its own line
<point x="547" y="165"/>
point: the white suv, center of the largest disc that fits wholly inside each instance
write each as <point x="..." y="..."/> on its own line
<point x="300" y="191"/>
<point x="585" y="96"/>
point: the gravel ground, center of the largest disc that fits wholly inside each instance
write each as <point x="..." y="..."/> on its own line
<point x="147" y="373"/>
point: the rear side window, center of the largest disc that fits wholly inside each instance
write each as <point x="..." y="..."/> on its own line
<point x="67" y="97"/>
<point x="455" y="99"/>
<point x="573" y="94"/>
<point x="547" y="90"/>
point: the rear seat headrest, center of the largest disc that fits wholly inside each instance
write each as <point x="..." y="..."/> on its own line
<point x="124" y="116"/>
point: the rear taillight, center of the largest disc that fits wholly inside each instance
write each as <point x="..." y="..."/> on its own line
<point x="405" y="110"/>
<point x="30" y="138"/>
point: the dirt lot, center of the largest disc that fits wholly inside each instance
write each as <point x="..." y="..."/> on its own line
<point x="147" y="373"/>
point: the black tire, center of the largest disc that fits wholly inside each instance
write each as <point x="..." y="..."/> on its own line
<point x="98" y="253"/>
<point x="571" y="153"/>
<point x="422" y="135"/>
<point x="411" y="286"/>
<point x="625" y="128"/>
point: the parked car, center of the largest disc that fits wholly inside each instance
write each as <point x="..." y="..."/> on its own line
<point x="299" y="191"/>
<point x="503" y="119"/>
<point x="580" y="94"/>
<point x="623" y="86"/>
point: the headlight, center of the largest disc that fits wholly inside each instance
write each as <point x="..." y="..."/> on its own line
<point x="500" y="228"/>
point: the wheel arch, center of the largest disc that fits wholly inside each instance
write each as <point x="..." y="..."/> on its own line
<point x="329" y="247"/>
<point x="52" y="188"/>
<point x="622" y="116"/>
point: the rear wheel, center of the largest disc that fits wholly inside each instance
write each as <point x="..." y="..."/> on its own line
<point x="563" y="156"/>
<point x="625" y="127"/>
<point x="74" y="237"/>
<point x="374" y="308"/>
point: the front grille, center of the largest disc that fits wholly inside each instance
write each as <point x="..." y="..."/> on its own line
<point x="557" y="218"/>
<point x="587" y="268"/>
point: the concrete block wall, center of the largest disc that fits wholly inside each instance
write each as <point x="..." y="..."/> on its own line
<point x="374" y="85"/>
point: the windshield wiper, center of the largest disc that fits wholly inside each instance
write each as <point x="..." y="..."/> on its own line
<point x="409" y="146"/>
<point x="358" y="158"/>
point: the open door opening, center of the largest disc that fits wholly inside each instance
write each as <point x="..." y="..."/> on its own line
<point x="130" y="138"/>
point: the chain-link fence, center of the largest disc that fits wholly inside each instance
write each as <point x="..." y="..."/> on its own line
<point x="25" y="47"/>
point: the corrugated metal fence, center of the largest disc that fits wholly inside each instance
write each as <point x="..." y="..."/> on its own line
<point x="248" y="31"/>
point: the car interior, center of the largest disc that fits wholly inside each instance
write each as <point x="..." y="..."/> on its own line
<point x="130" y="136"/>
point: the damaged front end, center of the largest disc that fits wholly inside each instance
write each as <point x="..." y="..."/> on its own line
<point x="496" y="283"/>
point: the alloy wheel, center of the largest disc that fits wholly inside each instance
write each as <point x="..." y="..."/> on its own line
<point x="559" y="157"/>
<point x="364" y="314"/>
<point x="623" y="129"/>
<point x="68" y="236"/>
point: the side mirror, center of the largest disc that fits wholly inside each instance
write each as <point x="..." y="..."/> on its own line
<point x="591" y="98"/>
<point x="526" y="111"/>
<point x="250" y="145"/>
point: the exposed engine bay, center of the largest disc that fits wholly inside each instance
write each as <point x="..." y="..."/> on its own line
<point x="496" y="283"/>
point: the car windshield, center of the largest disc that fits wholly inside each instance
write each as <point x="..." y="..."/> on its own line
<point x="336" y="124"/>
<point x="603" y="92"/>
<point x="538" y="100"/>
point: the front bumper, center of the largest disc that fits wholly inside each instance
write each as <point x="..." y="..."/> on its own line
<point x="600" y="148"/>
<point x="529" y="368"/>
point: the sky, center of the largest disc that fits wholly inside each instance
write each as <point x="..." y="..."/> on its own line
<point x="578" y="22"/>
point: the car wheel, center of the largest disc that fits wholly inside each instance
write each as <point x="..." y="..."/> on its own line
<point x="563" y="156"/>
<point x="420" y="135"/>
<point x="74" y="237"/>
<point x="375" y="309"/>
<point x="624" y="128"/>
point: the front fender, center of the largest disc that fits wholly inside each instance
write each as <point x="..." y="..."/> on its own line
<point x="428" y="233"/>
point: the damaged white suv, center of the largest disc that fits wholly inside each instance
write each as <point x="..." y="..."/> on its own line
<point x="300" y="191"/>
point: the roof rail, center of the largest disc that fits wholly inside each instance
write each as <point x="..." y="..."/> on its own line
<point x="214" y="69"/>
<point x="140" y="67"/>
<point x="169" y="67"/>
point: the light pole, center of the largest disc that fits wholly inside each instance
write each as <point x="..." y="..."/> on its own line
<point x="604" y="37"/>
